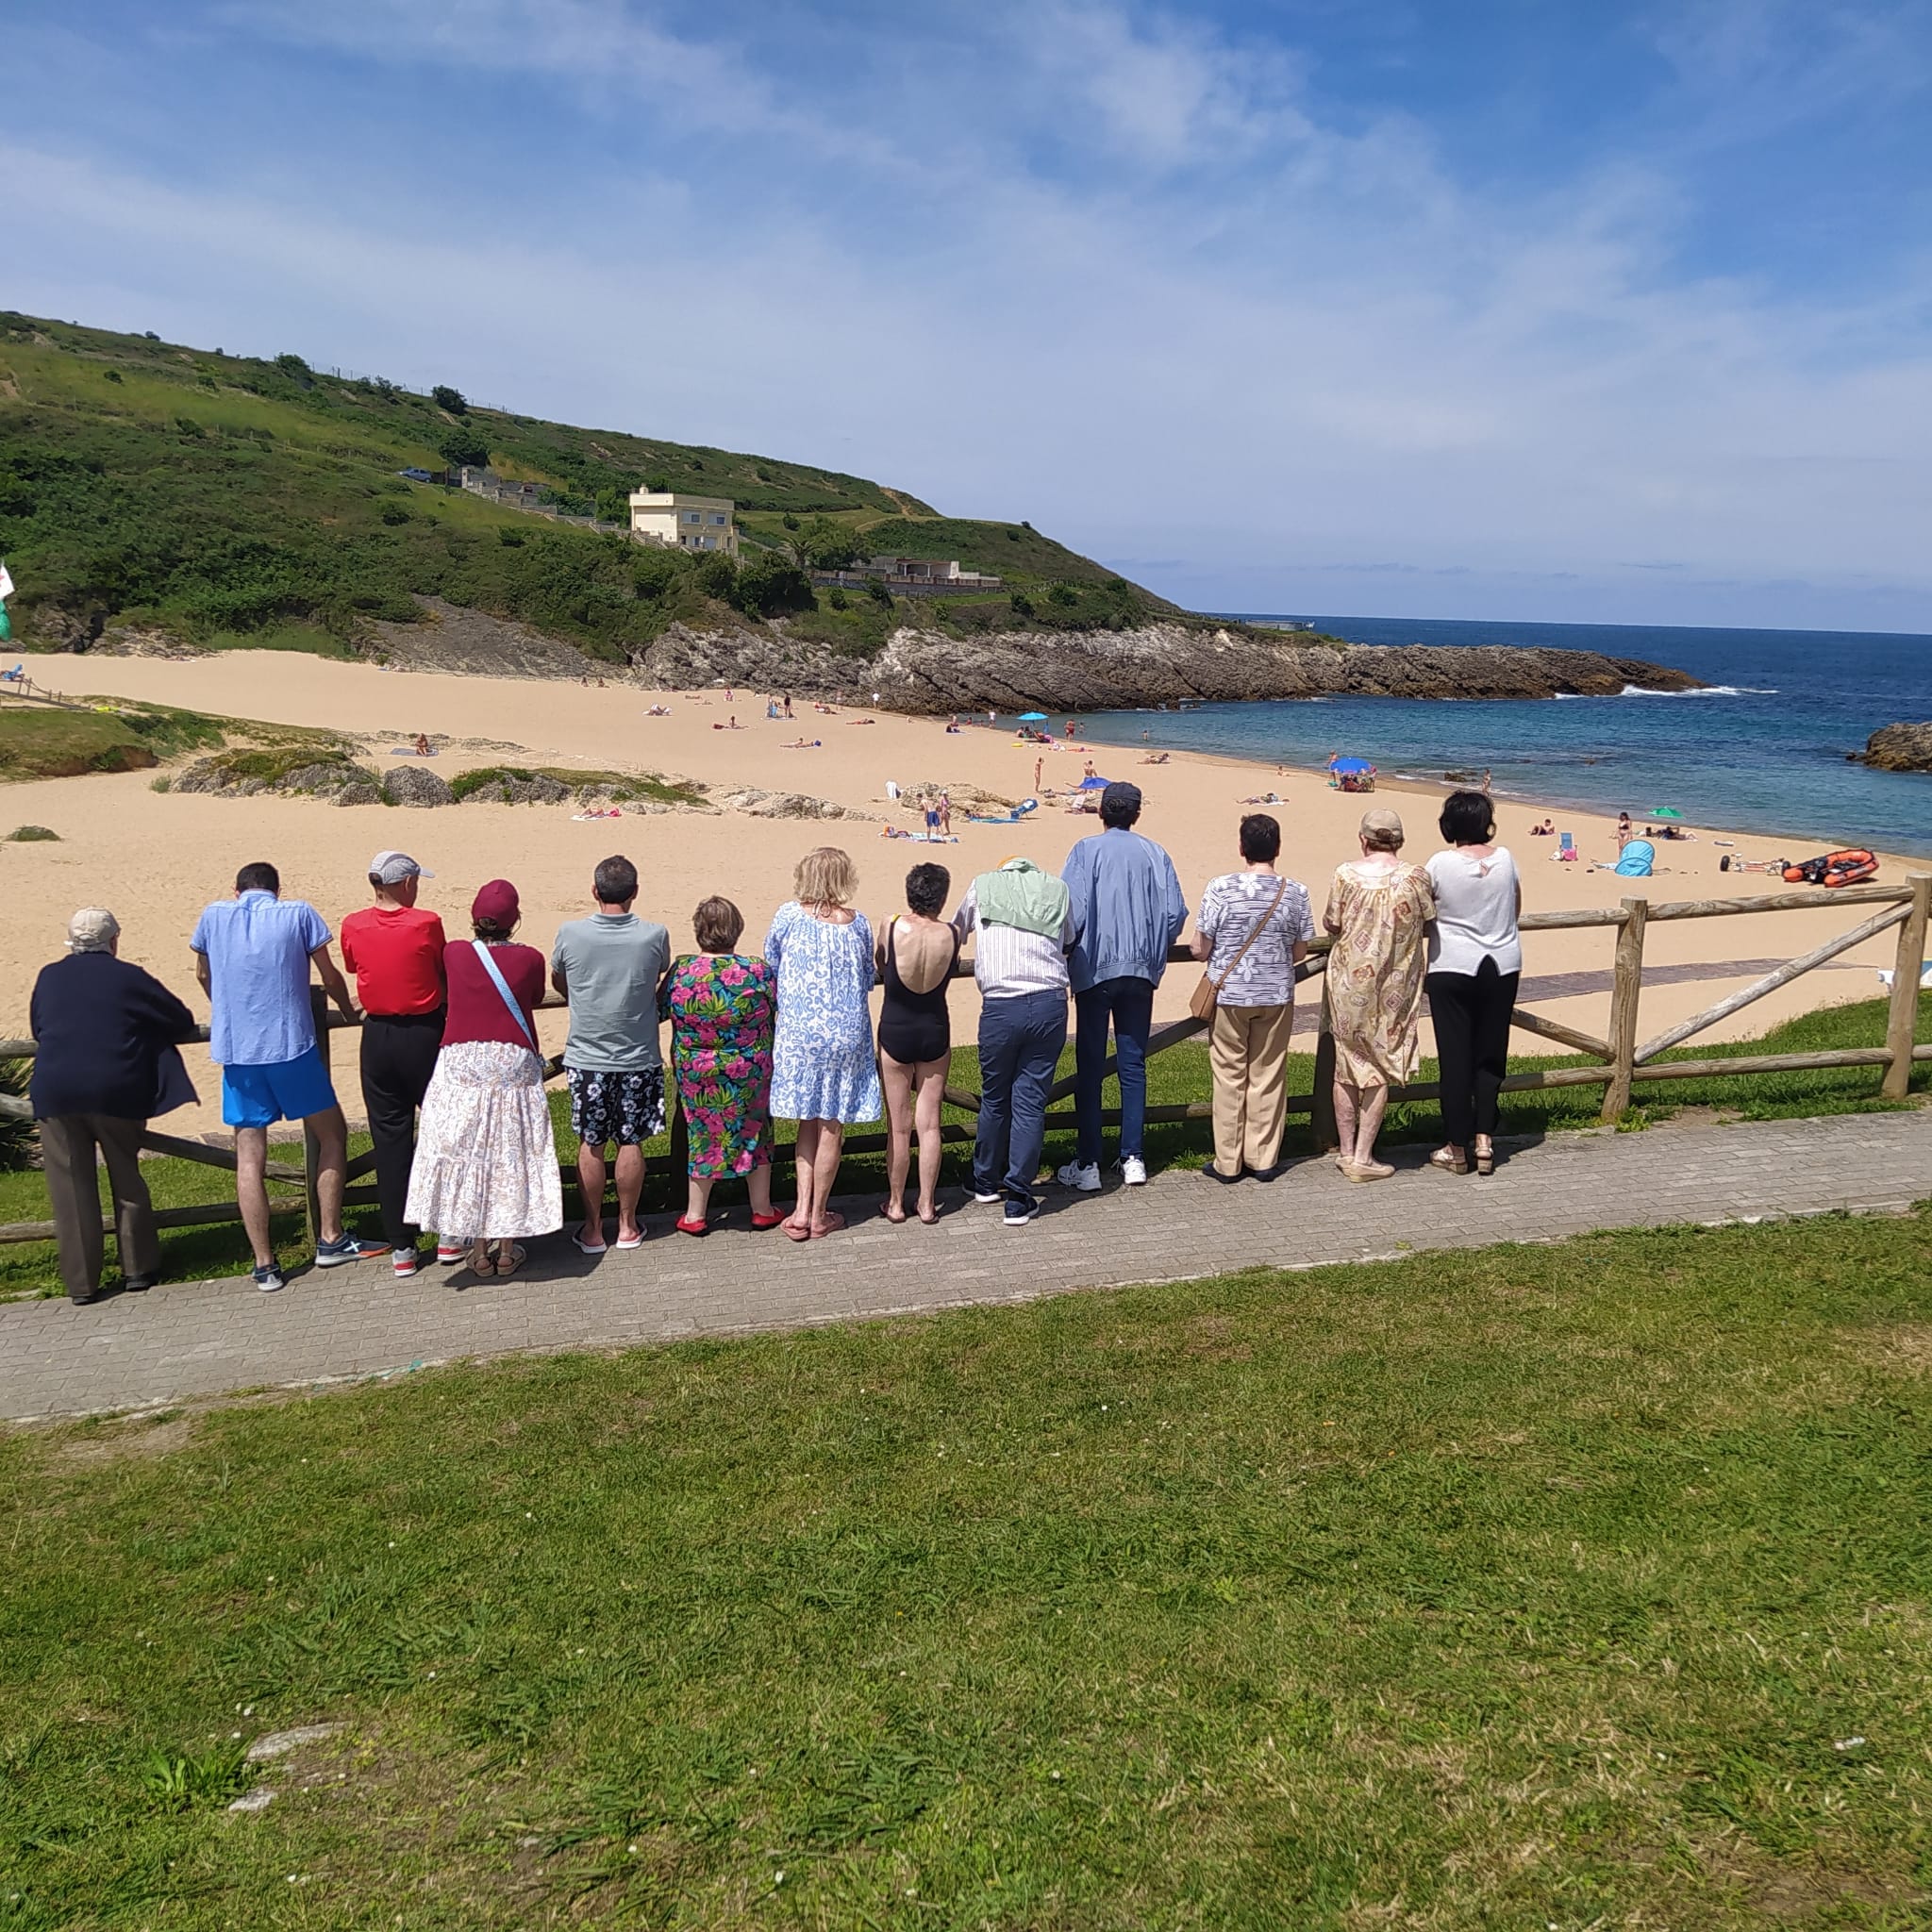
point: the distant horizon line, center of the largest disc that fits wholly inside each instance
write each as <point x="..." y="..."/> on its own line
<point x="1551" y="623"/>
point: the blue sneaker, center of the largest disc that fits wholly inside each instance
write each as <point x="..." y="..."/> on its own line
<point x="346" y="1248"/>
<point x="270" y="1279"/>
<point x="1020" y="1213"/>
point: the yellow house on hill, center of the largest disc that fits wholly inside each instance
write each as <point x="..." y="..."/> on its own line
<point x="684" y="522"/>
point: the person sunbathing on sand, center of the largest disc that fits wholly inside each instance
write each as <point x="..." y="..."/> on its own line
<point x="659" y="711"/>
<point x="1154" y="758"/>
<point x="802" y="745"/>
<point x="422" y="750"/>
<point x="1269" y="798"/>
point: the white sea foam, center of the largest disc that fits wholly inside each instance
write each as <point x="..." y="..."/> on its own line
<point x="1704" y="690"/>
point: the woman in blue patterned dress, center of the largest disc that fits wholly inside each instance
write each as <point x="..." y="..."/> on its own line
<point x="720" y="1005"/>
<point x="824" y="1074"/>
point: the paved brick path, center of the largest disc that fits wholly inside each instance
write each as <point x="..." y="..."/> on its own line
<point x="201" y="1339"/>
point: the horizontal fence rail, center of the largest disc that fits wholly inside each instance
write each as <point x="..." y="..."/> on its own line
<point x="1621" y="1062"/>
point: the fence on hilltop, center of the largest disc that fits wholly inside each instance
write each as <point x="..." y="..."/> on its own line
<point x="1622" y="1062"/>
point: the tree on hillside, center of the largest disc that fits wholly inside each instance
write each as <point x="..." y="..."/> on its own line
<point x="451" y="399"/>
<point x="461" y="446"/>
<point x="822" y="544"/>
<point x="768" y="588"/>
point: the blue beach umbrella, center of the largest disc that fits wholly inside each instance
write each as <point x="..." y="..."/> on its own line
<point x="1033" y="717"/>
<point x="1094" y="784"/>
<point x="1338" y="764"/>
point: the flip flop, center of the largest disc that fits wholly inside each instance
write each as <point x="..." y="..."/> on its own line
<point x="833" y="1223"/>
<point x="638" y="1242"/>
<point x="583" y="1247"/>
<point x="795" y="1233"/>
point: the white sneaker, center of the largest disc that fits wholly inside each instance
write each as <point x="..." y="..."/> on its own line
<point x="1086" y="1180"/>
<point x="1133" y="1171"/>
<point x="987" y="1200"/>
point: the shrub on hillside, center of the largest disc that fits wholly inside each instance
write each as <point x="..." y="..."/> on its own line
<point x="717" y="576"/>
<point x="451" y="399"/>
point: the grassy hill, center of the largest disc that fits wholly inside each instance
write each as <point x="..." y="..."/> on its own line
<point x="240" y="501"/>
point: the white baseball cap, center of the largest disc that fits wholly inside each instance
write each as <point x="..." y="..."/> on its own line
<point x="393" y="868"/>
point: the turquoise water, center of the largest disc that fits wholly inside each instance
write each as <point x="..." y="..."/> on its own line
<point x="1762" y="751"/>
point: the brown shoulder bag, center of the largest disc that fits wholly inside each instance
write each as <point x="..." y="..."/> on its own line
<point x="1206" y="996"/>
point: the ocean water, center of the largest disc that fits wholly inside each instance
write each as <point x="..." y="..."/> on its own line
<point x="1763" y="750"/>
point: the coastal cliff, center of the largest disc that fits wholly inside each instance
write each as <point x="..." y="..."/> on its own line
<point x="1156" y="664"/>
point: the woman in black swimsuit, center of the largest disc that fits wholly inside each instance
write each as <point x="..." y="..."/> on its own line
<point x="916" y="954"/>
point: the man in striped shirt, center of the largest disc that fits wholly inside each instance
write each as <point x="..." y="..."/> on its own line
<point x="1025" y="925"/>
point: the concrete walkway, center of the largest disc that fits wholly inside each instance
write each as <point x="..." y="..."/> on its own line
<point x="204" y="1339"/>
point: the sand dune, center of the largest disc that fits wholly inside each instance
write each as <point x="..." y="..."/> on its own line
<point x="156" y="857"/>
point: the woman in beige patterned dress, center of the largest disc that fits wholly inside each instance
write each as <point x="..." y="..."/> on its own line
<point x="1378" y="908"/>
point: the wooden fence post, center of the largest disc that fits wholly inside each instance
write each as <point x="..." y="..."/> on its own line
<point x="1902" y="1019"/>
<point x="1626" y="984"/>
<point x="311" y="1147"/>
<point x="1322" y="1105"/>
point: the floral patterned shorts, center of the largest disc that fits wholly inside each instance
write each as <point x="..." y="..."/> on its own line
<point x="624" y="1108"/>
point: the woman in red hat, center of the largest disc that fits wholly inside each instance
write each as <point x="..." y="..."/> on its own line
<point x="486" y="1168"/>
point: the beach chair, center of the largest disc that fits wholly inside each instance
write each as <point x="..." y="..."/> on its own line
<point x="1566" y="853"/>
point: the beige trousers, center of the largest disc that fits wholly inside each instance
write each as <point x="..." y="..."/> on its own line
<point x="1247" y="1048"/>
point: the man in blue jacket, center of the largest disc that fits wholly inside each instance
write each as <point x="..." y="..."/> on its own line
<point x="1128" y="910"/>
<point x="106" y="1033"/>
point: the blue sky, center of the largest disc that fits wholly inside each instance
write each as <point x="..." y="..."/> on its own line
<point x="1506" y="308"/>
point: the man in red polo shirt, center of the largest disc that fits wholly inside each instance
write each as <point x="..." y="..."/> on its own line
<point x="395" y="953"/>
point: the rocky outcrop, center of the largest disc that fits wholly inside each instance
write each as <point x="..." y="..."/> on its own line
<point x="756" y="803"/>
<point x="476" y="644"/>
<point x="1898" y="748"/>
<point x="515" y="790"/>
<point x="246" y="774"/>
<point x="415" y="785"/>
<point x="1157" y="664"/>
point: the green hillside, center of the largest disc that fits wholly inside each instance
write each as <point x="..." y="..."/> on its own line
<point x="243" y="501"/>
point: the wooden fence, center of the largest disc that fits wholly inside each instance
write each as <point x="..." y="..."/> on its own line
<point x="1622" y="1061"/>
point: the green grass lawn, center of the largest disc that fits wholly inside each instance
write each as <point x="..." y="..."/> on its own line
<point x="1174" y="1077"/>
<point x="1551" y="1587"/>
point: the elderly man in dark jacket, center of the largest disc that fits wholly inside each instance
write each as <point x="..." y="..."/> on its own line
<point x="107" y="1033"/>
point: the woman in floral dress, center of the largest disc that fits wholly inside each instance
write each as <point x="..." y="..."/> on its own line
<point x="720" y="1005"/>
<point x="825" y="1071"/>
<point x="1378" y="910"/>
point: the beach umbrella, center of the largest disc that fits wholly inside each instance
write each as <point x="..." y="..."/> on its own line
<point x="1094" y="784"/>
<point x="1339" y="764"/>
<point x="1664" y="812"/>
<point x="1033" y="717"/>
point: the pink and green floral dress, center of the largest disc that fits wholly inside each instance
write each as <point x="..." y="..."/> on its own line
<point x="722" y="1010"/>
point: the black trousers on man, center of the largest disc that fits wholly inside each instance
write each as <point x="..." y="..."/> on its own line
<point x="398" y="1056"/>
<point x="1471" y="1013"/>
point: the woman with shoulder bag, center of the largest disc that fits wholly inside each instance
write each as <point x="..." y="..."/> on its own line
<point x="485" y="1172"/>
<point x="1254" y="930"/>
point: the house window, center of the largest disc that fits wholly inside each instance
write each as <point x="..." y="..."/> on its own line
<point x="692" y="516"/>
<point x="719" y="521"/>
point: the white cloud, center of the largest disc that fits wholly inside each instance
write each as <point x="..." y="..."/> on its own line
<point x="1083" y="264"/>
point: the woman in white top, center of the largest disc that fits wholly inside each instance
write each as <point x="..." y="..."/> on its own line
<point x="1475" y="961"/>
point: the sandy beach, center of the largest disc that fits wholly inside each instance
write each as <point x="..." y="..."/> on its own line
<point x="156" y="857"/>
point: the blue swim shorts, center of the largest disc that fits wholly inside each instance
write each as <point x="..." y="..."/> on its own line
<point x="287" y="1091"/>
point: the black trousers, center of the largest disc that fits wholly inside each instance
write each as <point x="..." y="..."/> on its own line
<point x="1471" y="1012"/>
<point x="398" y="1056"/>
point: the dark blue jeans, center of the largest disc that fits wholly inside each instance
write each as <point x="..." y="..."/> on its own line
<point x="1128" y="1002"/>
<point x="1020" y="1043"/>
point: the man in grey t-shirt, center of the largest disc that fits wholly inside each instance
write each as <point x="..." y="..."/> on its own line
<point x="607" y="967"/>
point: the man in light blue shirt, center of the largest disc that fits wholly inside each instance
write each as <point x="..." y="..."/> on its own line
<point x="1128" y="908"/>
<point x="252" y="956"/>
